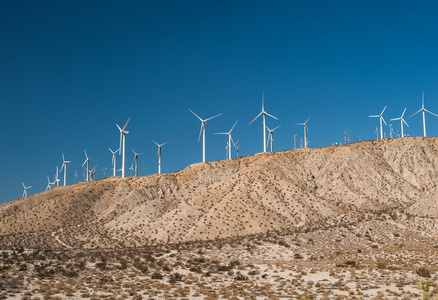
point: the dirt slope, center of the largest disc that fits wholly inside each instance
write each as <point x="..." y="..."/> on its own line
<point x="294" y="189"/>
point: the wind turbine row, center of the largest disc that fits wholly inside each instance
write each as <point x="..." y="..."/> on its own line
<point x="423" y="110"/>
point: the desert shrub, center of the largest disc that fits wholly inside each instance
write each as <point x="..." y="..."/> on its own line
<point x="234" y="263"/>
<point x="175" y="277"/>
<point x="241" y="277"/>
<point x="196" y="269"/>
<point x="298" y="256"/>
<point x="283" y="243"/>
<point x="423" y="272"/>
<point x="157" y="275"/>
<point x="253" y="272"/>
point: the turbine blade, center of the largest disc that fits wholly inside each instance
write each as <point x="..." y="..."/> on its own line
<point x="276" y="127"/>
<point x="119" y="127"/>
<point x="403" y="113"/>
<point x="126" y="124"/>
<point x="374" y="116"/>
<point x="415" y="113"/>
<point x="120" y="148"/>
<point x="395" y="119"/>
<point x="214" y="117"/>
<point x="405" y="122"/>
<point x="255" y="118"/>
<point x="431" y="113"/>
<point x="155" y="142"/>
<point x="63" y="157"/>
<point x="200" y="132"/>
<point x="220" y="133"/>
<point x="307" y="120"/>
<point x="271" y="116"/>
<point x="86" y="154"/>
<point x="234" y="125"/>
<point x="165" y="143"/>
<point x="383" y="110"/>
<point x="383" y="120"/>
<point x="196" y="115"/>
<point x="84" y="163"/>
<point x="23" y="184"/>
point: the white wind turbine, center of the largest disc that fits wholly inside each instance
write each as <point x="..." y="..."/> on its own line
<point x="57" y="180"/>
<point x="295" y="141"/>
<point x="76" y="176"/>
<point x="123" y="133"/>
<point x="236" y="145"/>
<point x="381" y="119"/>
<point x="264" y="113"/>
<point x="25" y="190"/>
<point x="49" y="184"/>
<point x="132" y="169"/>
<point x="93" y="173"/>
<point x="114" y="160"/>
<point x="271" y="137"/>
<point x="159" y="154"/>
<point x="230" y="139"/>
<point x="87" y="161"/>
<point x="202" y="132"/>
<point x="401" y="122"/>
<point x="305" y="131"/>
<point x="424" y="114"/>
<point x="136" y="161"/>
<point x="104" y="172"/>
<point x="64" y="165"/>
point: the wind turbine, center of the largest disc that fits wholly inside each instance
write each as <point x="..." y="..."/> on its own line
<point x="424" y="115"/>
<point x="381" y="119"/>
<point x="305" y="131"/>
<point x="295" y="141"/>
<point x="377" y="132"/>
<point x="236" y="145"/>
<point x="271" y="137"/>
<point x="203" y="132"/>
<point x="49" y="184"/>
<point x="136" y="161"/>
<point x="159" y="154"/>
<point x="104" y="172"/>
<point x="132" y="169"/>
<point x="114" y="160"/>
<point x="401" y="122"/>
<point x="264" y="113"/>
<point x="64" y="165"/>
<point x="76" y="176"/>
<point x="123" y="133"/>
<point x="57" y="180"/>
<point x="93" y="173"/>
<point x="87" y="161"/>
<point x="230" y="139"/>
<point x="25" y="190"/>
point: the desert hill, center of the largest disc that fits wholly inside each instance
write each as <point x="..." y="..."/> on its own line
<point x="303" y="189"/>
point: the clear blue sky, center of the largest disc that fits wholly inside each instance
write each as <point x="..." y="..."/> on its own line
<point x="71" y="70"/>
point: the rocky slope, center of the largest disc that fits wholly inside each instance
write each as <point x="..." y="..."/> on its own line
<point x="304" y="189"/>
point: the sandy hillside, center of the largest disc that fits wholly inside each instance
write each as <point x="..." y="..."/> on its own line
<point x="305" y="189"/>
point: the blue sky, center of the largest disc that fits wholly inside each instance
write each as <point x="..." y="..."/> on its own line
<point x="71" y="70"/>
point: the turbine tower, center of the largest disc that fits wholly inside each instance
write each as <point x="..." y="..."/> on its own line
<point x="264" y="113"/>
<point x="401" y="122"/>
<point x="104" y="172"/>
<point x="271" y="137"/>
<point x="230" y="139"/>
<point x="381" y="119"/>
<point x="25" y="190"/>
<point x="87" y="161"/>
<point x="93" y="173"/>
<point x="424" y="114"/>
<point x="123" y="133"/>
<point x="64" y="165"/>
<point x="57" y="180"/>
<point x="76" y="176"/>
<point x="203" y="132"/>
<point x="159" y="154"/>
<point x="136" y="161"/>
<point x="236" y="145"/>
<point x="295" y="141"/>
<point x="114" y="160"/>
<point x="305" y="131"/>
